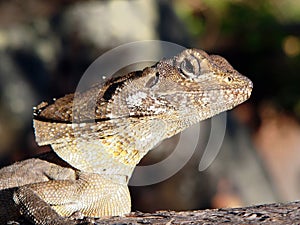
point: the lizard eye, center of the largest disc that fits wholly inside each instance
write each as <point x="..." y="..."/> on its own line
<point x="152" y="81"/>
<point x="190" y="67"/>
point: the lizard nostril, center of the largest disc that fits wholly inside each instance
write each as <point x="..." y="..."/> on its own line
<point x="228" y="79"/>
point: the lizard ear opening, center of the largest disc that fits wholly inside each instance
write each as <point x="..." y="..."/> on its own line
<point x="152" y="80"/>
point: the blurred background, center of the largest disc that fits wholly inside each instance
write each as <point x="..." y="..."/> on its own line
<point x="45" y="47"/>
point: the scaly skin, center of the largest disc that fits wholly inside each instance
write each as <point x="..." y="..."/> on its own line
<point x="105" y="131"/>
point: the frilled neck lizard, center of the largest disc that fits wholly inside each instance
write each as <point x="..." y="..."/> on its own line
<point x="106" y="131"/>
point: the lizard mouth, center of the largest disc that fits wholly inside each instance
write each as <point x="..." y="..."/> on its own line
<point x="244" y="92"/>
<point x="249" y="89"/>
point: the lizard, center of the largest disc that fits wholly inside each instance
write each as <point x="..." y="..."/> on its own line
<point x="99" y="140"/>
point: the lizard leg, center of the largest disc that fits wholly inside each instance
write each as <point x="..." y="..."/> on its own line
<point x="35" y="209"/>
<point x="92" y="195"/>
<point x="33" y="171"/>
<point x="23" y="173"/>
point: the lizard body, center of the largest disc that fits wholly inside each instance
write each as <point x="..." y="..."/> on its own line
<point x="102" y="133"/>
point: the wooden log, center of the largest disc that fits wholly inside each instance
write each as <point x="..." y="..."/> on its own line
<point x="267" y="214"/>
<point x="277" y="213"/>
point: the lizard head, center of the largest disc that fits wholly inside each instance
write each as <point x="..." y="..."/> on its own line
<point x="183" y="90"/>
<point x="190" y="83"/>
<point x="202" y="83"/>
